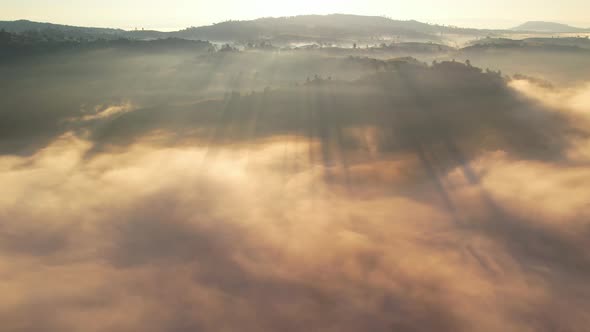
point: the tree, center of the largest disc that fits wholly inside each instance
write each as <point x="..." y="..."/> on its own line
<point x="5" y="37"/>
<point x="227" y="48"/>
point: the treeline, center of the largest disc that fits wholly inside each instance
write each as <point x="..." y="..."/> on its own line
<point x="531" y="44"/>
<point x="43" y="42"/>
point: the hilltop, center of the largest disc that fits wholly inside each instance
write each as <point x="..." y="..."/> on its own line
<point x="334" y="26"/>
<point x="552" y="27"/>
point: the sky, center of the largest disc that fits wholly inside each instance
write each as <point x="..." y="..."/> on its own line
<point x="177" y="14"/>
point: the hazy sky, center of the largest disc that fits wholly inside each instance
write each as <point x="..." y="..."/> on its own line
<point x="174" y="14"/>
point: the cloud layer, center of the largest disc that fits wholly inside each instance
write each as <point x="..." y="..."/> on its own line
<point x="422" y="199"/>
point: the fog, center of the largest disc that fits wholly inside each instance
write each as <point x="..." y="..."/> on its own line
<point x="183" y="190"/>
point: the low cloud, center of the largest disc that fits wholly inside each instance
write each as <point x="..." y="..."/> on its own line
<point x="175" y="239"/>
<point x="101" y="112"/>
<point x="575" y="99"/>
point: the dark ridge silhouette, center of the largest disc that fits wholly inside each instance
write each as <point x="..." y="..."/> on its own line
<point x="537" y="44"/>
<point x="29" y="43"/>
<point x="21" y="26"/>
<point x="310" y="27"/>
<point x="306" y="28"/>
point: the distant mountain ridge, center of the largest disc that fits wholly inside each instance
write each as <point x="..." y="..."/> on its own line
<point x="542" y="26"/>
<point x="336" y="26"/>
<point x="333" y="28"/>
<point x="74" y="32"/>
<point x="304" y="27"/>
<point x="20" y="26"/>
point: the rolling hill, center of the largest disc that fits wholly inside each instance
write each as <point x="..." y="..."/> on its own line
<point x="322" y="28"/>
<point x="550" y="27"/>
<point x="333" y="27"/>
